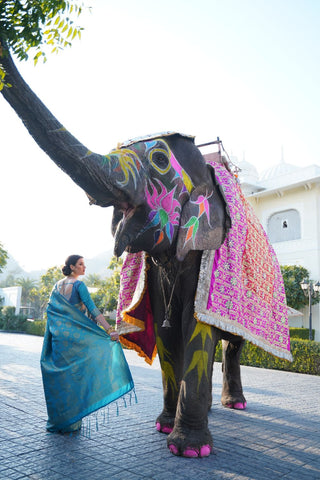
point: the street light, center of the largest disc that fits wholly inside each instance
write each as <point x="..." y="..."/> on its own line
<point x="310" y="290"/>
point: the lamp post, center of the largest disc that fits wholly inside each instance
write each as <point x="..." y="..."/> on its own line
<point x="310" y="289"/>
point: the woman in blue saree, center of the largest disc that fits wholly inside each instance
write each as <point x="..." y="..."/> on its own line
<point x="83" y="366"/>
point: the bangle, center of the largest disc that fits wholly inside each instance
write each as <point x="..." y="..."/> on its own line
<point x="110" y="330"/>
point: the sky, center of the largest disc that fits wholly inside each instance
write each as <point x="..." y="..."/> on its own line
<point x="245" y="71"/>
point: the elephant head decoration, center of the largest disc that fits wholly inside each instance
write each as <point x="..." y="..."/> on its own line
<point x="171" y="204"/>
<point x="168" y="203"/>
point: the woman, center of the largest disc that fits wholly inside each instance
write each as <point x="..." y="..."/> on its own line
<point x="83" y="366"/>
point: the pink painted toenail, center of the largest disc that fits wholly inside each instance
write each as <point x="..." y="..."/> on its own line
<point x="164" y="429"/>
<point x="191" y="453"/>
<point x="173" y="449"/>
<point x="229" y="405"/>
<point x="240" y="406"/>
<point x="205" y="451"/>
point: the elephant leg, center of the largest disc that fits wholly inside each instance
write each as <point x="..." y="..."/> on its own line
<point x="191" y="436"/>
<point x="232" y="394"/>
<point x="171" y="362"/>
<point x="170" y="351"/>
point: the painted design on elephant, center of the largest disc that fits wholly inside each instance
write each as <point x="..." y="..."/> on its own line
<point x="180" y="172"/>
<point x="166" y="366"/>
<point x="193" y="223"/>
<point x="161" y="147"/>
<point x="165" y="211"/>
<point x="124" y="161"/>
<point x="200" y="358"/>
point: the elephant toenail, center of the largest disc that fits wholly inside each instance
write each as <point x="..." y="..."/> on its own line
<point x="173" y="449"/>
<point x="240" y="406"/>
<point x="164" y="429"/>
<point x="191" y="453"/>
<point x="205" y="451"/>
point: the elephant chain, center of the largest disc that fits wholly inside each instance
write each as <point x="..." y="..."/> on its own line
<point x="167" y="306"/>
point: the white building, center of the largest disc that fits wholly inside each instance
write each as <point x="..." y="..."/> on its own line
<point x="286" y="199"/>
<point x="11" y="297"/>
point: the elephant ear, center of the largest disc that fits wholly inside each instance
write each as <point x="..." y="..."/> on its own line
<point x="205" y="219"/>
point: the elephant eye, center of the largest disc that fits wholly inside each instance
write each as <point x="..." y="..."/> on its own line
<point x="160" y="161"/>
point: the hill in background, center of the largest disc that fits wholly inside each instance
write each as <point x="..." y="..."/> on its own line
<point x="97" y="265"/>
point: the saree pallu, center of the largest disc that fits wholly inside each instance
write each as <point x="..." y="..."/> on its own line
<point x="82" y="369"/>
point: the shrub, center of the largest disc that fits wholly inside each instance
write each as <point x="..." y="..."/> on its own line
<point x="306" y="357"/>
<point x="10" y="321"/>
<point x="302" y="333"/>
<point x="37" y="327"/>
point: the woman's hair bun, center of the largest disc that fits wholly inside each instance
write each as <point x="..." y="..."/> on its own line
<point x="66" y="270"/>
<point x="71" y="260"/>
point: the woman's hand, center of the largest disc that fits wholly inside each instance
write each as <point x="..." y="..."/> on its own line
<point x="108" y="328"/>
<point x="114" y="336"/>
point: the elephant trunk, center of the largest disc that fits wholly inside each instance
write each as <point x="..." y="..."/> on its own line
<point x="86" y="169"/>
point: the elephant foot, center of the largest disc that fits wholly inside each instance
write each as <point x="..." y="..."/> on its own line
<point x="165" y="423"/>
<point x="236" y="405"/>
<point x="189" y="443"/>
<point x="236" y="401"/>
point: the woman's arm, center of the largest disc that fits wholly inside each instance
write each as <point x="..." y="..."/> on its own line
<point x="95" y="312"/>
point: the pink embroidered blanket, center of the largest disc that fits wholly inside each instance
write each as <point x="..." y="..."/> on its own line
<point x="240" y="287"/>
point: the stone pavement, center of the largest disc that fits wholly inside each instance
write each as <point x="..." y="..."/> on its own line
<point x="277" y="437"/>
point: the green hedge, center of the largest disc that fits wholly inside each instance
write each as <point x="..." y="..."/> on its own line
<point x="37" y="327"/>
<point x="302" y="333"/>
<point x="306" y="353"/>
<point x="10" y="321"/>
<point x="306" y="357"/>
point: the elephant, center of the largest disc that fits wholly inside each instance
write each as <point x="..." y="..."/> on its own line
<point x="169" y="204"/>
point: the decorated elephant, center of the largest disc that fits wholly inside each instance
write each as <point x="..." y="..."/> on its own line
<point x="198" y="266"/>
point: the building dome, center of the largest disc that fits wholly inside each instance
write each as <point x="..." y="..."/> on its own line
<point x="278" y="170"/>
<point x="248" y="172"/>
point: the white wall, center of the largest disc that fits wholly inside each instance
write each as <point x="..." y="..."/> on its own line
<point x="12" y="297"/>
<point x="304" y="251"/>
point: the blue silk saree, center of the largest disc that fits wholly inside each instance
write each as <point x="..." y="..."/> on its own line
<point x="82" y="369"/>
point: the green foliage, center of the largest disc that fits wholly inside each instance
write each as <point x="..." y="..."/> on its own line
<point x="306" y="357"/>
<point x="9" y="281"/>
<point x="3" y="255"/>
<point x="10" y="321"/>
<point x="40" y="296"/>
<point x="28" y="24"/>
<point x="94" y="280"/>
<point x="302" y="333"/>
<point x="293" y="275"/>
<point x="106" y="298"/>
<point x="37" y="327"/>
<point x="36" y="25"/>
<point x="27" y="285"/>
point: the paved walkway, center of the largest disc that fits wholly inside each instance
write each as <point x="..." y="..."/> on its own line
<point x="277" y="437"/>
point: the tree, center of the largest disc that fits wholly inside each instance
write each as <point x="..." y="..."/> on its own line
<point x="106" y="298"/>
<point x="37" y="25"/>
<point x="9" y="281"/>
<point x="27" y="285"/>
<point x="94" y="280"/>
<point x="39" y="297"/>
<point x="3" y="257"/>
<point x="29" y="24"/>
<point x="293" y="275"/>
